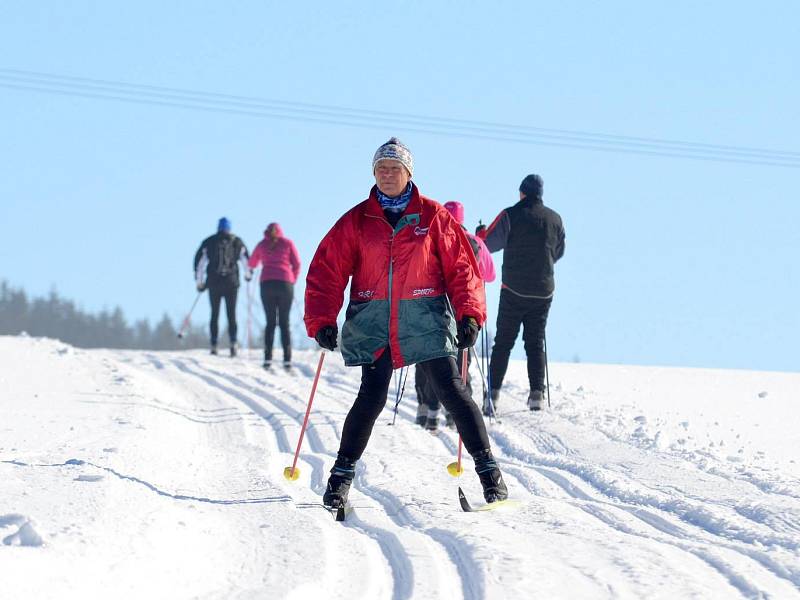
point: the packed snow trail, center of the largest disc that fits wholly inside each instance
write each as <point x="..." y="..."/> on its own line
<point x="161" y="475"/>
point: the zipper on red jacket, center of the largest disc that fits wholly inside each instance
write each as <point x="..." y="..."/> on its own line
<point x="405" y="220"/>
<point x="389" y="294"/>
<point x="411" y="219"/>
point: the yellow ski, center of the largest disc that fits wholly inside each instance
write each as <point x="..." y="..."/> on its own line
<point x="467" y="507"/>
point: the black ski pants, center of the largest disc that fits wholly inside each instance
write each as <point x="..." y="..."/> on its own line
<point x="531" y="313"/>
<point x="426" y="393"/>
<point x="443" y="376"/>
<point x="215" y="295"/>
<point x="277" y="296"/>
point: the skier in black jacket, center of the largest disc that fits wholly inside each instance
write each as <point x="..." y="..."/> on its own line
<point x="216" y="268"/>
<point x="532" y="236"/>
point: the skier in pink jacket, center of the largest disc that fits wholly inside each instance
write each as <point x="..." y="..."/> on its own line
<point x="485" y="262"/>
<point x="280" y="266"/>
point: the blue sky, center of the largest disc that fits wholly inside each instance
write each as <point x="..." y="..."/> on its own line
<point x="670" y="261"/>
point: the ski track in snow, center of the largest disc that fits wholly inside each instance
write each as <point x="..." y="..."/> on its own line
<point x="279" y="415"/>
<point x="607" y="508"/>
<point x="551" y="445"/>
<point x="598" y="493"/>
<point x="398" y="535"/>
<point x="701" y="517"/>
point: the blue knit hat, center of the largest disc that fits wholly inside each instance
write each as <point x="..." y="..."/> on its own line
<point x="224" y="224"/>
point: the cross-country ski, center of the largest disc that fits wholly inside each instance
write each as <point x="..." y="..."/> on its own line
<point x="466" y="506"/>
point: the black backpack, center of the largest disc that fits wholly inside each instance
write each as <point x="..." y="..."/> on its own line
<point x="223" y="261"/>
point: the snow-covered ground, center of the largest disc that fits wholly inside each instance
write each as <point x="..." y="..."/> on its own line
<point x="160" y="475"/>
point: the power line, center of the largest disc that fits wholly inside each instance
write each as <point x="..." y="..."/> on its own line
<point x="580" y="135"/>
<point x="350" y="117"/>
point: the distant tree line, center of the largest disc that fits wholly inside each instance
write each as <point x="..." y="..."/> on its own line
<point x="55" y="317"/>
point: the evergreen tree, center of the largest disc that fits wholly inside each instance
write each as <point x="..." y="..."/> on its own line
<point x="164" y="335"/>
<point x="57" y="318"/>
<point x="118" y="330"/>
<point x="142" y="335"/>
<point x="13" y="310"/>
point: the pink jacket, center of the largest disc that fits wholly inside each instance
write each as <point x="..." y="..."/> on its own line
<point x="277" y="255"/>
<point x="485" y="262"/>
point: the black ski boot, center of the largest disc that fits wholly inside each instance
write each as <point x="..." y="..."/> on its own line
<point x="535" y="400"/>
<point x="494" y="488"/>
<point x="422" y="414"/>
<point x="342" y="473"/>
<point x="432" y="424"/>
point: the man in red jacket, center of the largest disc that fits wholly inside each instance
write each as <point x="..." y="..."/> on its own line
<point x="415" y="297"/>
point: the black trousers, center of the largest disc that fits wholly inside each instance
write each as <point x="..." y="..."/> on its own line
<point x="215" y="295"/>
<point x="442" y="374"/>
<point x="531" y="313"/>
<point x="426" y="393"/>
<point x="277" y="296"/>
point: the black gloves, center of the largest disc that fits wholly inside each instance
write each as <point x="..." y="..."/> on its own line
<point x="468" y="330"/>
<point x="201" y="287"/>
<point x="479" y="229"/>
<point x="326" y="336"/>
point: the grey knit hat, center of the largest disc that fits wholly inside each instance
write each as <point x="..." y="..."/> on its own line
<point x="394" y="149"/>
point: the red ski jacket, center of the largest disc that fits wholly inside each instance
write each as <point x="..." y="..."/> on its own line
<point x="402" y="278"/>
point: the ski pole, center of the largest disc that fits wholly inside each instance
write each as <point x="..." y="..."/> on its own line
<point x="488" y="405"/>
<point x="490" y="402"/>
<point x="185" y="323"/>
<point x="400" y="390"/>
<point x="293" y="473"/>
<point x="483" y="361"/>
<point x="480" y="369"/>
<point x="249" y="320"/>
<point x="455" y="469"/>
<point x="546" y="373"/>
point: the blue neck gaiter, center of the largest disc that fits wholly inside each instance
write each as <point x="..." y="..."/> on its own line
<point x="397" y="204"/>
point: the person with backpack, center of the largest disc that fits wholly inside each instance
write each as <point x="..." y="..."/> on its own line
<point x="216" y="268"/>
<point x="532" y="238"/>
<point x="428" y="407"/>
<point x="404" y="256"/>
<point x="280" y="266"/>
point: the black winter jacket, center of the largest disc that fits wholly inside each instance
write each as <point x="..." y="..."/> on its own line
<point x="218" y="256"/>
<point x="532" y="236"/>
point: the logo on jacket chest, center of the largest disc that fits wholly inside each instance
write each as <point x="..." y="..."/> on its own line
<point x="421" y="230"/>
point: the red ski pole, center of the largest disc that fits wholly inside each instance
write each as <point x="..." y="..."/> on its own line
<point x="455" y="469"/>
<point x="293" y="473"/>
